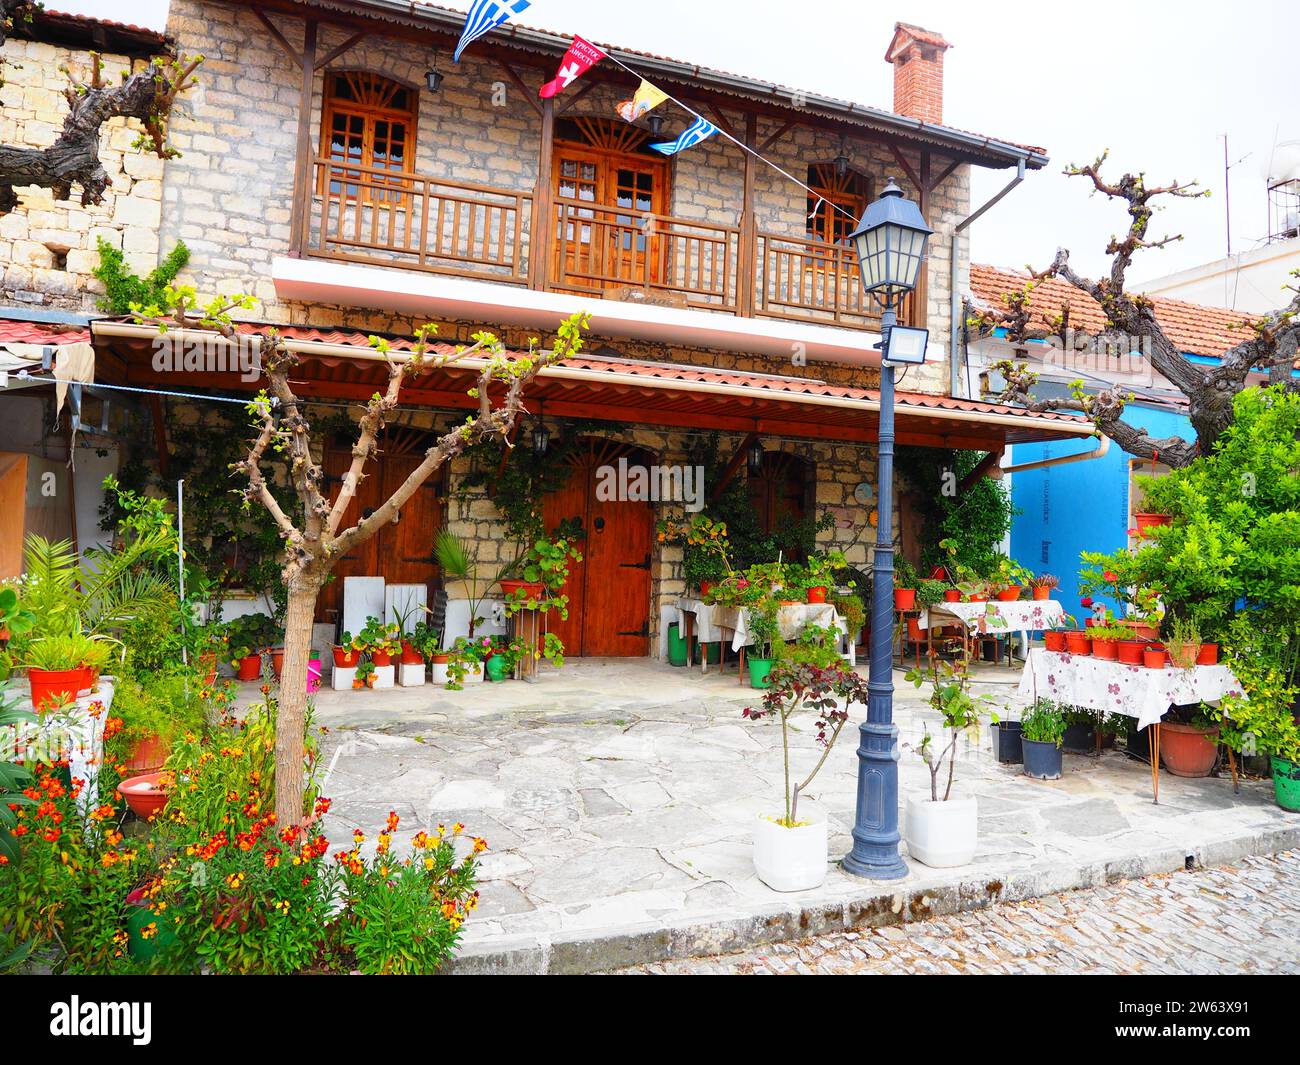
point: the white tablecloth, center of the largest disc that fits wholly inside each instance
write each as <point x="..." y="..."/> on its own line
<point x="75" y="732"/>
<point x="1021" y="615"/>
<point x="1113" y="687"/>
<point x="712" y="620"/>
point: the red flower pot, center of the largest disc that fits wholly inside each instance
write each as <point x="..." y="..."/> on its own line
<point x="914" y="631"/>
<point x="54" y="687"/>
<point x="706" y="587"/>
<point x="817" y="594"/>
<point x="1146" y="520"/>
<point x="208" y="667"/>
<point x="977" y="599"/>
<point x="410" y="656"/>
<point x="143" y="795"/>
<point x="1145" y="632"/>
<point x="1078" y="643"/>
<point x="147" y="755"/>
<point x="1054" y="640"/>
<point x="1155" y="657"/>
<point x="1188" y="751"/>
<point x="250" y="667"/>
<point x="1130" y="652"/>
<point x="1208" y="656"/>
<point x="533" y="589"/>
<point x="346" y="658"/>
<point x="381" y="658"/>
<point x="1009" y="595"/>
<point x="277" y="659"/>
<point x="1042" y="593"/>
<point x="1105" y="649"/>
<point x="952" y="595"/>
<point x="904" y="598"/>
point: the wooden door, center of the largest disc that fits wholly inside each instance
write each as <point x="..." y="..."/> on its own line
<point x="609" y="590"/>
<point x="604" y="192"/>
<point x="780" y="491"/>
<point x="402" y="552"/>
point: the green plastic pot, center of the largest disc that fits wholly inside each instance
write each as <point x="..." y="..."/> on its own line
<point x="759" y="672"/>
<point x="1286" y="784"/>
<point x="714" y="650"/>
<point x="496" y="668"/>
<point x="137" y="946"/>
<point x="676" y="646"/>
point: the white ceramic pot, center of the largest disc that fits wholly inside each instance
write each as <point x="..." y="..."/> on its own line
<point x="941" y="834"/>
<point x="791" y="859"/>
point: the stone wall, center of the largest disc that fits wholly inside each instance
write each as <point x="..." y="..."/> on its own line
<point x="48" y="246"/>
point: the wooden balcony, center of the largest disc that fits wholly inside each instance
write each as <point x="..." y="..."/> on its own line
<point x="381" y="217"/>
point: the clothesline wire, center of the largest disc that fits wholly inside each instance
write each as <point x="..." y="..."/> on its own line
<point x="738" y="143"/>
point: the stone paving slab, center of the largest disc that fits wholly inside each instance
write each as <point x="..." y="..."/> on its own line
<point x="617" y="799"/>
<point x="1242" y="918"/>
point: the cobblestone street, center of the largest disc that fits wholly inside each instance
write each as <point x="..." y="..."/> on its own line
<point x="1242" y="918"/>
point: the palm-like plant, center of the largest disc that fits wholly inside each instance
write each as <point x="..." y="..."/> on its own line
<point x="458" y="562"/>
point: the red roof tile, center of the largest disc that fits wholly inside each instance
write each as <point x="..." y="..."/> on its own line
<point x="1196" y="329"/>
<point x="17" y="332"/>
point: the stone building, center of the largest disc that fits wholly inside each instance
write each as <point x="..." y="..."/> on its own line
<point x="339" y="168"/>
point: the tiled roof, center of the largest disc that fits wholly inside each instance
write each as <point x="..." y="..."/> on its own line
<point x="19" y="332"/>
<point x="1195" y="329"/>
<point x="86" y="31"/>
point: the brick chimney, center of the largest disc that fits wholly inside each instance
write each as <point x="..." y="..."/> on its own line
<point x="917" y="56"/>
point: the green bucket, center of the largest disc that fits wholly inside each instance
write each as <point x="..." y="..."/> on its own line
<point x="140" y="948"/>
<point x="496" y="668"/>
<point x="1286" y="784"/>
<point x="714" y="651"/>
<point x="759" y="672"/>
<point x="676" y="646"/>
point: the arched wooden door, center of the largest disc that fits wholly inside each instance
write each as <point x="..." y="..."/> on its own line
<point x="780" y="491"/>
<point x="609" y="590"/>
<point x="401" y="553"/>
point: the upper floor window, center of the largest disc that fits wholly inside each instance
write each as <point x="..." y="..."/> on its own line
<point x="848" y="191"/>
<point x="369" y="121"/>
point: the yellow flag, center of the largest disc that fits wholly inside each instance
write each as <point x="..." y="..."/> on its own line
<point x="647" y="98"/>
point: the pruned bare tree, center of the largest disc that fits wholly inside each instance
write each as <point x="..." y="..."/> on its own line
<point x="314" y="537"/>
<point x="1269" y="348"/>
<point x="147" y="96"/>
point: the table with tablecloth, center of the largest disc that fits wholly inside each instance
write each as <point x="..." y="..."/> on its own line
<point x="710" y="622"/>
<point x="994" y="617"/>
<point x="1108" y="686"/>
<point x="74" y="732"/>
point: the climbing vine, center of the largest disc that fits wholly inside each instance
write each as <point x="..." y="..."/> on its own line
<point x="123" y="287"/>
<point x="977" y="519"/>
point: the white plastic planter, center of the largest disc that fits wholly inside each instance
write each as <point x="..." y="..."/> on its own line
<point x="791" y="859"/>
<point x="475" y="674"/>
<point x="438" y="673"/>
<point x="410" y="676"/>
<point x="941" y="834"/>
<point x="384" y="676"/>
<point x="342" y="677"/>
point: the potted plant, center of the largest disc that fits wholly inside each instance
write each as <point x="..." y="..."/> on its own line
<point x="1189" y="741"/>
<point x="1009" y="578"/>
<point x="348" y="651"/>
<point x="56" y="669"/>
<point x="543" y="572"/>
<point x="1080" y="729"/>
<point x="942" y="831"/>
<point x="1259" y="720"/>
<point x="1043" y="584"/>
<point x="248" y="636"/>
<point x="154" y="710"/>
<point x="1105" y="640"/>
<point x="408" y="653"/>
<point x="819" y="573"/>
<point x="764" y="633"/>
<point x="1184" y="643"/>
<point x="853" y="611"/>
<point x="458" y="563"/>
<point x="380" y="641"/>
<point x="706" y="551"/>
<point x="1154" y="656"/>
<point x="790" y="846"/>
<point x="1006" y="741"/>
<point x="365" y="676"/>
<point x="1077" y="641"/>
<point x="1042" y="730"/>
<point x="905" y="582"/>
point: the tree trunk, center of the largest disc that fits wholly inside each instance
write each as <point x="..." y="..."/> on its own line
<point x="291" y="725"/>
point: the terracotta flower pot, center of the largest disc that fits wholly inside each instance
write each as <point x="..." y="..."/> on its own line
<point x="706" y="587"/>
<point x="914" y="631"/>
<point x="1155" y="657"/>
<point x="147" y="755"/>
<point x="208" y="667"/>
<point x="54" y="687"/>
<point x="1041" y="593"/>
<point x="1130" y="652"/>
<point x="817" y="594"/>
<point x="410" y="656"/>
<point x="1145" y="632"/>
<point x="1078" y="643"/>
<point x="346" y="658"/>
<point x="381" y="658"/>
<point x="1009" y="595"/>
<point x="1188" y="751"/>
<point x="1105" y="649"/>
<point x="1054" y="640"/>
<point x="951" y="595"/>
<point x="533" y="589"/>
<point x="1209" y="655"/>
<point x="143" y="795"/>
<point x="977" y="599"/>
<point x="904" y="598"/>
<point x="1146" y="520"/>
<point x="277" y="659"/>
<point x="250" y="667"/>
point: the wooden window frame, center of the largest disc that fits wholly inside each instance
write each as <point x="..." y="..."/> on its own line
<point x="400" y="197"/>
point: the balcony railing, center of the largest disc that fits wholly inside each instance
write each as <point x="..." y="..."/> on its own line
<point x="371" y="215"/>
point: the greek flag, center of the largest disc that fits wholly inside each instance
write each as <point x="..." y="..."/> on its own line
<point x="486" y="15"/>
<point x="698" y="131"/>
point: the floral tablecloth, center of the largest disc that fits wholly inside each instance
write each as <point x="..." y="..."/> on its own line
<point x="1113" y="687"/>
<point x="75" y="732"/>
<point x="713" y="621"/>
<point x="1022" y="615"/>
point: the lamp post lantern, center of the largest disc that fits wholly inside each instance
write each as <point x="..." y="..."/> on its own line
<point x="890" y="244"/>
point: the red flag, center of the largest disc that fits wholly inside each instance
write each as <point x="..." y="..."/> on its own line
<point x="579" y="59"/>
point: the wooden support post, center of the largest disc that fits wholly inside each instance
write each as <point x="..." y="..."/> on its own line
<point x="543" y="240"/>
<point x="746" y="255"/>
<point x="921" y="297"/>
<point x="733" y="466"/>
<point x="300" y="216"/>
<point x="987" y="463"/>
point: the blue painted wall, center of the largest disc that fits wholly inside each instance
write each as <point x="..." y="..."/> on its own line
<point x="1083" y="506"/>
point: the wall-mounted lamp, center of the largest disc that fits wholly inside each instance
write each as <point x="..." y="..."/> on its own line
<point x="755" y="458"/>
<point x="433" y="78"/>
<point x="541" y="435"/>
<point x="655" y="123"/>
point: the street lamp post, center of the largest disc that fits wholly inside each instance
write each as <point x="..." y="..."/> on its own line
<point x="890" y="244"/>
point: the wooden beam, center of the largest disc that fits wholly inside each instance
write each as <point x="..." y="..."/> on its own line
<point x="746" y="255"/>
<point x="780" y="132"/>
<point x="572" y="98"/>
<point x="921" y="297"/>
<point x="543" y="233"/>
<point x="159" y="432"/>
<point x="530" y="97"/>
<point x="303" y="171"/>
<point x="982" y="469"/>
<point x="279" y="37"/>
<point x="945" y="174"/>
<point x="346" y="46"/>
<point x="907" y="167"/>
<point x="719" y="119"/>
<point x="733" y="466"/>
